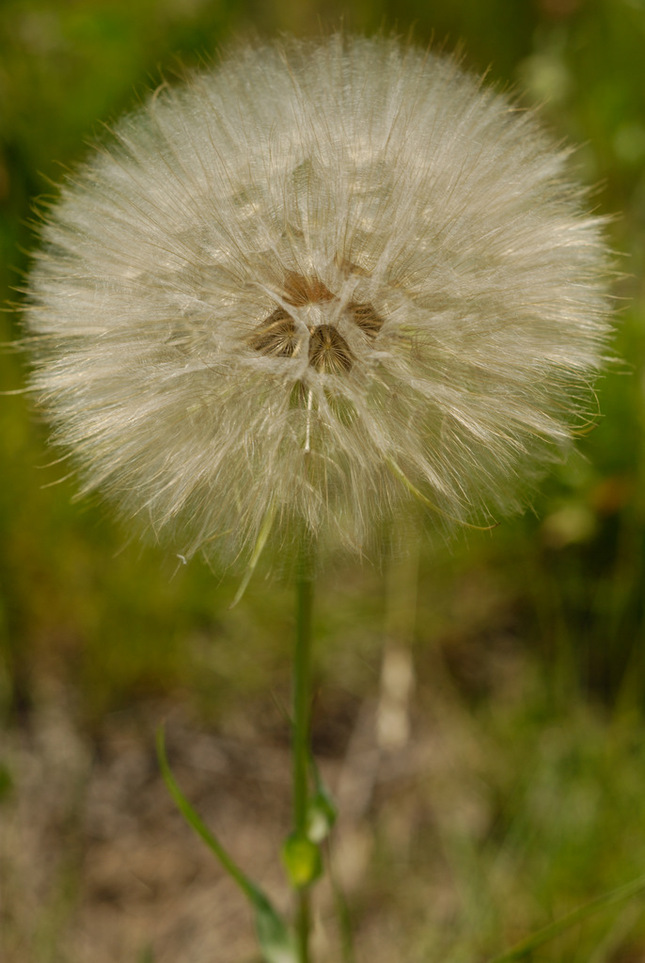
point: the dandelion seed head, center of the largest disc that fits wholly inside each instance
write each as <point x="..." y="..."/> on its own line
<point x="316" y="284"/>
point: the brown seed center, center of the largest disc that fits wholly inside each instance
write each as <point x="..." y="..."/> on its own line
<point x="329" y="352"/>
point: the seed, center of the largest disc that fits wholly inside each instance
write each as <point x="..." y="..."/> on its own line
<point x="328" y="351"/>
<point x="276" y="337"/>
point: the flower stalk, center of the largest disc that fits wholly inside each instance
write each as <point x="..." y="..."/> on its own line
<point x="302" y="701"/>
<point x="301" y="735"/>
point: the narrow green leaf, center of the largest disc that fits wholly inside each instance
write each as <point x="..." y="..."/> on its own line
<point x="265" y="531"/>
<point x="196" y="823"/>
<point x="522" y="949"/>
<point x="274" y="937"/>
<point x="400" y="474"/>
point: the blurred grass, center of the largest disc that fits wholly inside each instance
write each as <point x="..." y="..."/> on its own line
<point x="535" y="631"/>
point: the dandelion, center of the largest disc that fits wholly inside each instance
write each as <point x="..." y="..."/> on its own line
<point x="316" y="284"/>
<point x="304" y="292"/>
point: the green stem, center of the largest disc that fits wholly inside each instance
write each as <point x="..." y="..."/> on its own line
<point x="301" y="723"/>
<point x="301" y="701"/>
<point x="303" y="925"/>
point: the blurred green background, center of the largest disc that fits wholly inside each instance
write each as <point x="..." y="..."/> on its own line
<point x="530" y="638"/>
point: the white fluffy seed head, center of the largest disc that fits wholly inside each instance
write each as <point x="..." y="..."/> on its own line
<point x="317" y="284"/>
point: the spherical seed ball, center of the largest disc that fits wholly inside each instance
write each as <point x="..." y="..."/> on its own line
<point x="316" y="284"/>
